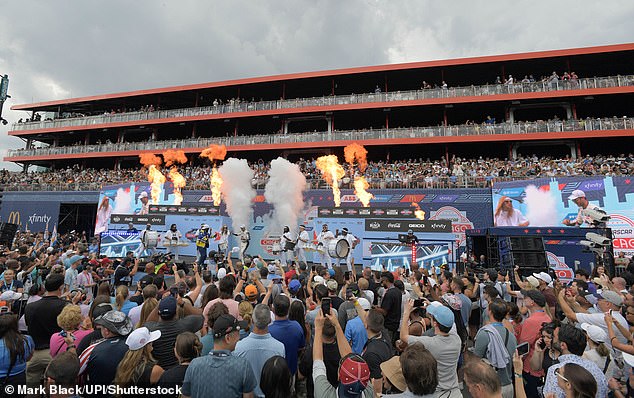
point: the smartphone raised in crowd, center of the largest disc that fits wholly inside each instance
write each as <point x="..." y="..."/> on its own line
<point x="325" y="306"/>
<point x="346" y="275"/>
<point x="522" y="349"/>
<point x="312" y="268"/>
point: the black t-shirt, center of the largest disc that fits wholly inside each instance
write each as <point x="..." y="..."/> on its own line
<point x="336" y="301"/>
<point x="137" y="299"/>
<point x="89" y="339"/>
<point x="163" y="348"/>
<point x="104" y="360"/>
<point x="41" y="319"/>
<point x="376" y="351"/>
<point x="331" y="360"/>
<point x="392" y="305"/>
<point x="173" y="377"/>
<point x="373" y="286"/>
<point x="121" y="276"/>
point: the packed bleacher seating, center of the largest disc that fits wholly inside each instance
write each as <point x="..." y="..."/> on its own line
<point x="410" y="173"/>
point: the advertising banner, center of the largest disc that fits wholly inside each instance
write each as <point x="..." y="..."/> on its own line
<point x="31" y="216"/>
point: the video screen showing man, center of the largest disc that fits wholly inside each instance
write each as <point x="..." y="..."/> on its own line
<point x="579" y="198"/>
<point x="508" y="216"/>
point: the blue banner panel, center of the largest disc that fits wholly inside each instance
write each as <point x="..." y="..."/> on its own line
<point x="31" y="216"/>
<point x="545" y="202"/>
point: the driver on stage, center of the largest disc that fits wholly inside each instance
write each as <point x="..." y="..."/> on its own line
<point x="202" y="243"/>
<point x="302" y="241"/>
<point x="352" y="243"/>
<point x="223" y="242"/>
<point x="287" y="237"/>
<point x="323" y="240"/>
<point x="245" y="238"/>
<point x="579" y="198"/>
<point x="172" y="238"/>
<point x="145" y="204"/>
<point x="145" y="236"/>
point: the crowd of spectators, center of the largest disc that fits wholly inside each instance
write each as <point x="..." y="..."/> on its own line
<point x="410" y="173"/>
<point x="259" y="329"/>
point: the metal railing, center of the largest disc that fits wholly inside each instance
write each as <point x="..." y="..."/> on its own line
<point x="375" y="183"/>
<point x="549" y="126"/>
<point x="239" y="107"/>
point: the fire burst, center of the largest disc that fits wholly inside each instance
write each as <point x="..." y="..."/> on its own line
<point x="157" y="179"/>
<point x="360" y="189"/>
<point x="420" y="214"/>
<point x="216" y="184"/>
<point x="332" y="173"/>
<point x="179" y="183"/>
<point x="358" y="152"/>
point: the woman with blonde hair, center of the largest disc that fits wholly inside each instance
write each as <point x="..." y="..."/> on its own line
<point x="122" y="301"/>
<point x="148" y="306"/>
<point x="138" y="367"/>
<point x="507" y="216"/>
<point x="245" y="309"/>
<point x="597" y="351"/>
<point x="69" y="320"/>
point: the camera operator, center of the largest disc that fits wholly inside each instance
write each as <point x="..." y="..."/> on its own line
<point x="123" y="273"/>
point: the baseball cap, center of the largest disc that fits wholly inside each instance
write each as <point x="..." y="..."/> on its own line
<point x="318" y="280"/>
<point x="394" y="373"/>
<point x="332" y="284"/>
<point x="354" y="375"/>
<point x="612" y="297"/>
<point x="595" y="333"/>
<point x="143" y="195"/>
<point x="10" y="295"/>
<point x="167" y="307"/>
<point x="536" y="296"/>
<point x="226" y="324"/>
<point x="331" y="272"/>
<point x="364" y="303"/>
<point x="533" y="281"/>
<point x="141" y="337"/>
<point x="543" y="276"/>
<point x="101" y="309"/>
<point x="294" y="286"/>
<point x="272" y="268"/>
<point x="251" y="291"/>
<point x="222" y="272"/>
<point x="116" y="322"/>
<point x="576" y="194"/>
<point x="441" y="314"/>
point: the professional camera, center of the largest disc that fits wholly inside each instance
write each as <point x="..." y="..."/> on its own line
<point x="599" y="217"/>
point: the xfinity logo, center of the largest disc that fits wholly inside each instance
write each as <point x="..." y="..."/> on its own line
<point x="35" y="218"/>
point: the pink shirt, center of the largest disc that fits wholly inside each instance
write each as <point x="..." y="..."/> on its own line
<point x="58" y="345"/>
<point x="530" y="333"/>
<point x="231" y="304"/>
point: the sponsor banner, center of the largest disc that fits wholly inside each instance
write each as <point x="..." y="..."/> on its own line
<point x="374" y="212"/>
<point x="459" y="221"/>
<point x="137" y="219"/>
<point x="405" y="225"/>
<point x="190" y="210"/>
<point x="615" y="195"/>
<point x="32" y="216"/>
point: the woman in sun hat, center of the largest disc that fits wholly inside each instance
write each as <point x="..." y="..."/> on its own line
<point x="138" y="367"/>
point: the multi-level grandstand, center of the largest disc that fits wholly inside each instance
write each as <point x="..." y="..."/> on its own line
<point x="562" y="104"/>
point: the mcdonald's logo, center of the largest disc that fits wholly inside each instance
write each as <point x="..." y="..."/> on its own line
<point x="14" y="218"/>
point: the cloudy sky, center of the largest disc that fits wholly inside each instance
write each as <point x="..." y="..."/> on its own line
<point x="61" y="49"/>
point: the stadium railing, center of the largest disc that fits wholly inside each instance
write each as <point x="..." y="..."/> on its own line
<point x="614" y="123"/>
<point x="239" y="107"/>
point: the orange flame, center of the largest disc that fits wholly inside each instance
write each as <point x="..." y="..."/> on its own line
<point x="360" y="189"/>
<point x="148" y="159"/>
<point x="157" y="179"/>
<point x="214" y="152"/>
<point x="216" y="184"/>
<point x="172" y="156"/>
<point x="179" y="183"/>
<point x="332" y="173"/>
<point x="420" y="214"/>
<point x="358" y="152"/>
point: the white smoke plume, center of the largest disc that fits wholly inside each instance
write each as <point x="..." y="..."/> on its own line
<point x="285" y="192"/>
<point x="541" y="209"/>
<point x="122" y="202"/>
<point x="237" y="191"/>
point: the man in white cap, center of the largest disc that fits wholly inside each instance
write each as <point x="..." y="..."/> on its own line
<point x="145" y="204"/>
<point x="579" y="198"/>
<point x="302" y="241"/>
<point x="545" y="281"/>
<point x="245" y="238"/>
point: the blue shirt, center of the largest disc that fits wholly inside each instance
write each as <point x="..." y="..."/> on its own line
<point x="257" y="349"/>
<point x="218" y="374"/>
<point x="356" y="334"/>
<point x="208" y="344"/>
<point x="291" y="334"/>
<point x="551" y="378"/>
<point x="126" y="307"/>
<point x="20" y="363"/>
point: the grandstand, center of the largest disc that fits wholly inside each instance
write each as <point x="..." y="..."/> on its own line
<point x="560" y="105"/>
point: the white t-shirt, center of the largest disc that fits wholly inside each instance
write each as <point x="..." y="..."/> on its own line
<point x="325" y="237"/>
<point x="598" y="319"/>
<point x="510" y="220"/>
<point x="303" y="236"/>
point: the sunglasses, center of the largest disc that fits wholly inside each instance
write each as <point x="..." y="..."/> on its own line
<point x="558" y="373"/>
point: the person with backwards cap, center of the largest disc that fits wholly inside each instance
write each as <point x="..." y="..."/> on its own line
<point x="445" y="345"/>
<point x="221" y="374"/>
<point x="579" y="198"/>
